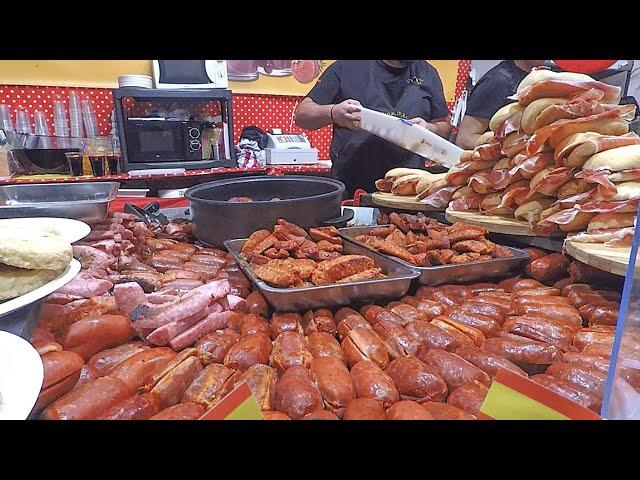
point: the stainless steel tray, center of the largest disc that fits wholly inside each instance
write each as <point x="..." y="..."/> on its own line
<point x="460" y="273"/>
<point x="294" y="299"/>
<point x="86" y="201"/>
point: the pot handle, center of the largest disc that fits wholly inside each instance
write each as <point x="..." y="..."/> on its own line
<point x="343" y="219"/>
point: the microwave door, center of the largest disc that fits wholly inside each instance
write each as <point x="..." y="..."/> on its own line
<point x="151" y="142"/>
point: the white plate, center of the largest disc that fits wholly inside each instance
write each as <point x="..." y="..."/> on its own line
<point x="21" y="376"/>
<point x="69" y="229"/>
<point x="48" y="288"/>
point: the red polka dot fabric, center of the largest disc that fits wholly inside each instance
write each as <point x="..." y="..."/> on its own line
<point x="34" y="98"/>
<point x="264" y="111"/>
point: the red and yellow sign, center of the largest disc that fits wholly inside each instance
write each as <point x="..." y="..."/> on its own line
<point x="512" y="397"/>
<point x="239" y="404"/>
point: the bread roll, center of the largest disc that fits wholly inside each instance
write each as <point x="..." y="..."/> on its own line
<point x="533" y="110"/>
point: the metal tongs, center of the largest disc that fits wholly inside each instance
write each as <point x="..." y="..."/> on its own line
<point x="148" y="214"/>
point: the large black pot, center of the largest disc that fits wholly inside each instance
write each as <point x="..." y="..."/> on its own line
<point x="305" y="201"/>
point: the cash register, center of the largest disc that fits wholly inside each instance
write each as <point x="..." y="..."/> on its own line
<point x="289" y="149"/>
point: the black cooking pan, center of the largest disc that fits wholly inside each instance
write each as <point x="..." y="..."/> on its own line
<point x="305" y="201"/>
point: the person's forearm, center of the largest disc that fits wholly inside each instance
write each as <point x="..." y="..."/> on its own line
<point x="442" y="128"/>
<point x="312" y="116"/>
<point x="467" y="140"/>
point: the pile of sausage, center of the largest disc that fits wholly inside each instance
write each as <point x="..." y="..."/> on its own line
<point x="428" y="356"/>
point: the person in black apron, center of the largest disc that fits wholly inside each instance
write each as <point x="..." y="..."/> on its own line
<point x="409" y="89"/>
<point x="489" y="95"/>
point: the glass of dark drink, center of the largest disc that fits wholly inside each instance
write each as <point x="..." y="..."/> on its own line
<point x="97" y="165"/>
<point x="75" y="163"/>
<point x="114" y="161"/>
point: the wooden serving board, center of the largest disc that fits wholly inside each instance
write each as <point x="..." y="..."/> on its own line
<point x="612" y="260"/>
<point x="389" y="200"/>
<point x="495" y="224"/>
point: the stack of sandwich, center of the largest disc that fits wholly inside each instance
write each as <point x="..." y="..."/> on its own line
<point x="428" y="188"/>
<point x="560" y="158"/>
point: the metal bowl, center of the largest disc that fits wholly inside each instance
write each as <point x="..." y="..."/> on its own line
<point x="305" y="201"/>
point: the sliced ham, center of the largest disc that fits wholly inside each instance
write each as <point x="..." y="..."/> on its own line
<point x="499" y="179"/>
<point x="551" y="181"/>
<point x="563" y="128"/>
<point x="613" y="237"/>
<point x="468" y="202"/>
<point x="481" y="184"/>
<point x="578" y="198"/>
<point x="558" y="88"/>
<point x="610" y="207"/>
<point x="606" y="188"/>
<point x="576" y="149"/>
<point x="529" y="166"/>
<point x="440" y="199"/>
<point x="488" y="152"/>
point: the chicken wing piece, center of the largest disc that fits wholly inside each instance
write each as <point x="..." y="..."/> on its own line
<point x="308" y="249"/>
<point x="476" y="246"/>
<point x="383" y="246"/>
<point x="346" y="266"/>
<point x="397" y="238"/>
<point x="399" y="222"/>
<point x="274" y="276"/>
<point x="292" y="228"/>
<point x="366" y="275"/>
<point x="465" y="257"/>
<point x="329" y="234"/>
<point x="276" y="253"/>
<point x="382" y="231"/>
<point x="500" y="251"/>
<point x="329" y="247"/>
<point x="462" y="231"/>
<point x="422" y="259"/>
<point x="254" y="239"/>
<point x="302" y="268"/>
<point x="440" y="257"/>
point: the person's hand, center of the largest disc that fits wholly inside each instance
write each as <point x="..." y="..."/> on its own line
<point x="423" y="123"/>
<point x="346" y="114"/>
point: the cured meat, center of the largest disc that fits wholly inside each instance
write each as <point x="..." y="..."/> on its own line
<point x="562" y="88"/>
<point x="480" y="183"/>
<point x="441" y="198"/>
<point x="549" y="180"/>
<point x="469" y="202"/>
<point x="576" y="149"/>
<point x="532" y="165"/>
<point x="602" y="122"/>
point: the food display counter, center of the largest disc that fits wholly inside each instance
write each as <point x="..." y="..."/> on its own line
<point x="426" y="313"/>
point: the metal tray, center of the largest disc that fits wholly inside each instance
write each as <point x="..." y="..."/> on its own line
<point x="460" y="273"/>
<point x="86" y="201"/>
<point x="294" y="299"/>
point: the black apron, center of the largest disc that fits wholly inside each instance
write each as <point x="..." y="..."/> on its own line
<point x="363" y="158"/>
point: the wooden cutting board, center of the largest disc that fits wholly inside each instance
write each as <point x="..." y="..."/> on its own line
<point x="389" y="200"/>
<point x="495" y="224"/>
<point x="612" y="260"/>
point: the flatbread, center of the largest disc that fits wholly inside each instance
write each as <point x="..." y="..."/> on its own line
<point x="34" y="248"/>
<point x="18" y="281"/>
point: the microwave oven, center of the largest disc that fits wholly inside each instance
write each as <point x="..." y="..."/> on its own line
<point x="190" y="74"/>
<point x="151" y="140"/>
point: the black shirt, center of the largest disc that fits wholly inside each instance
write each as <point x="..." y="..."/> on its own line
<point x="358" y="157"/>
<point x="491" y="92"/>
